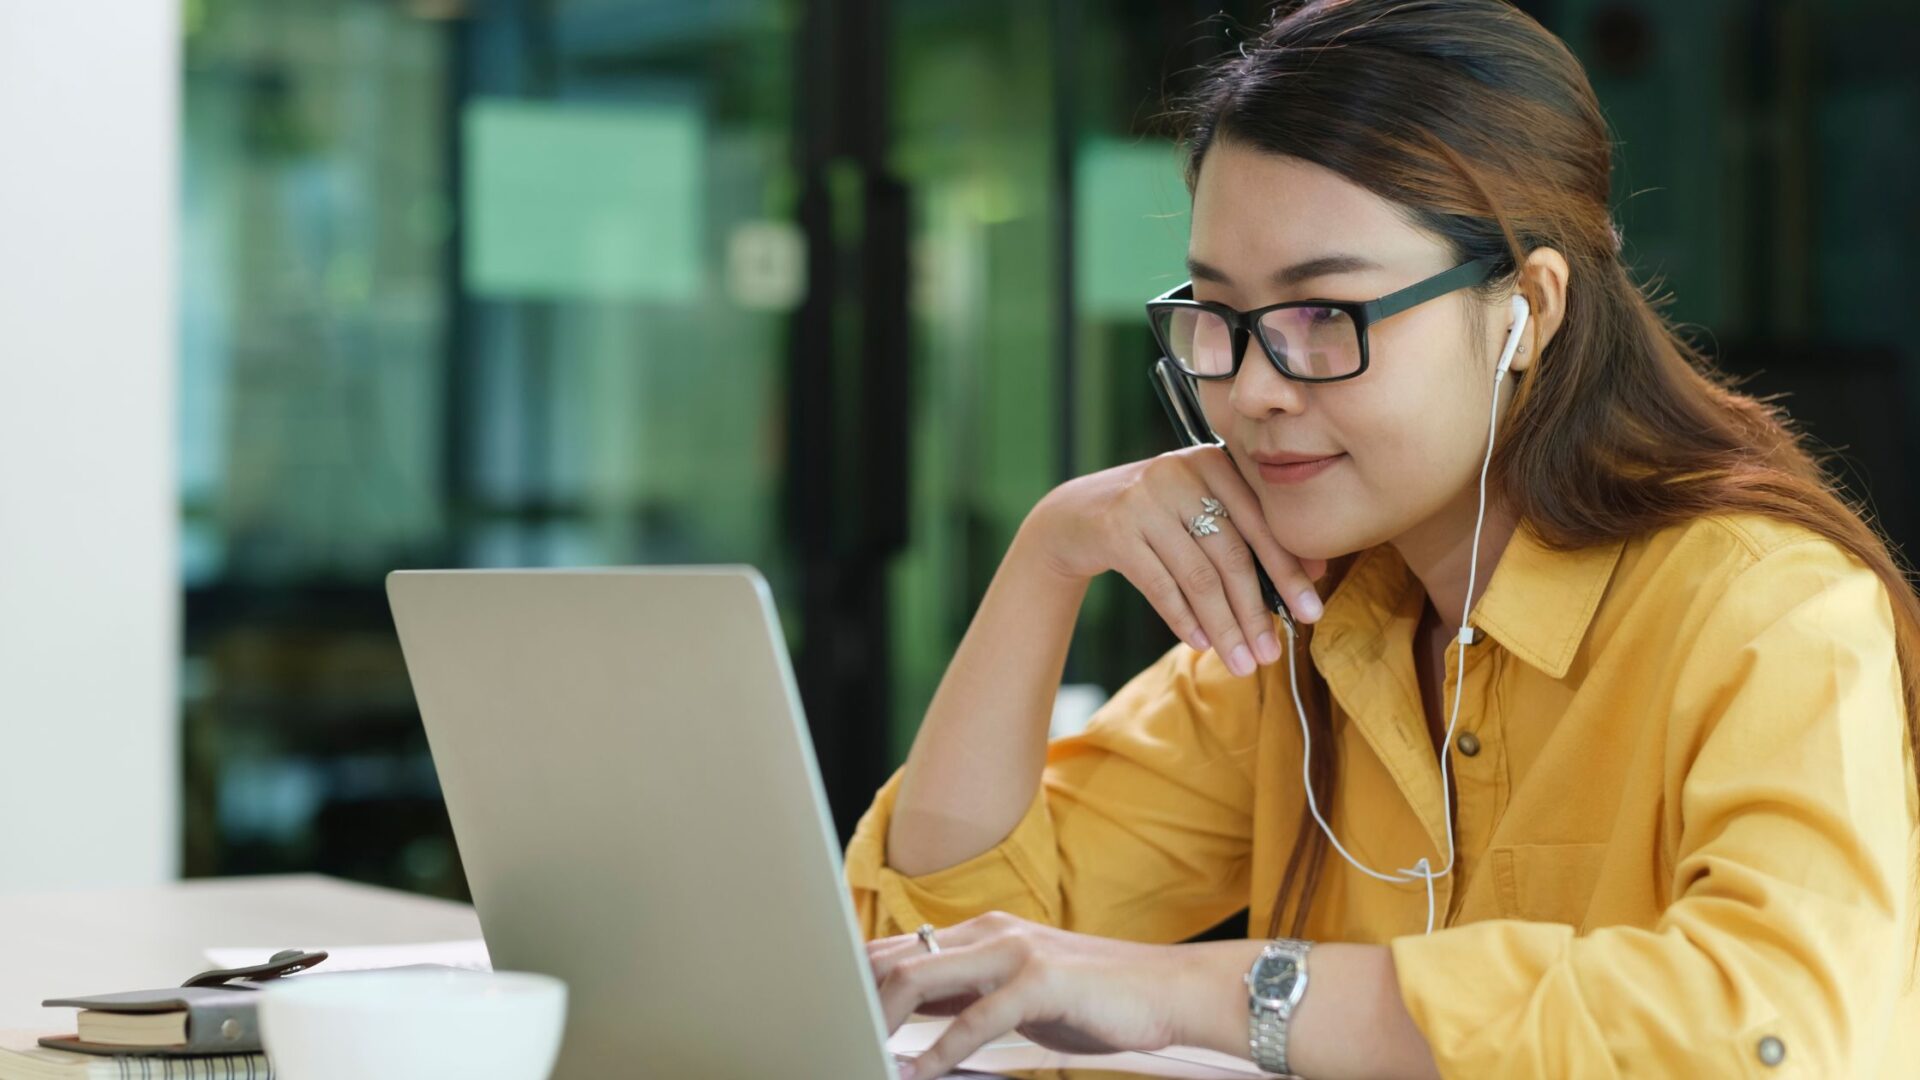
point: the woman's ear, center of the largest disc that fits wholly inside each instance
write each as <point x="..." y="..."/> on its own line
<point x="1543" y="280"/>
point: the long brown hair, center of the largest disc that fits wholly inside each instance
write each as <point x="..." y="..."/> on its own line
<point x="1482" y="126"/>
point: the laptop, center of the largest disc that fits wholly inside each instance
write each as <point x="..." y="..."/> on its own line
<point x="638" y="810"/>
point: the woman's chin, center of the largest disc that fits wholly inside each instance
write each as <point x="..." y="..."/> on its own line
<point x="1327" y="530"/>
<point x="1315" y="545"/>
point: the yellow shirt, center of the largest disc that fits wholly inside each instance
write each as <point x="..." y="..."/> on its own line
<point x="1690" y="826"/>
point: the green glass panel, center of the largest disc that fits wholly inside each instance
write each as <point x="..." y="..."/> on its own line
<point x="1132" y="206"/>
<point x="575" y="202"/>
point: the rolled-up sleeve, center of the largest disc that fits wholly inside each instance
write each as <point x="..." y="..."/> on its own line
<point x="1789" y="937"/>
<point x="1140" y="828"/>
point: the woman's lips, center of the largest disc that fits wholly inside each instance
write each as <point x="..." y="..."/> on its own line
<point x="1298" y="471"/>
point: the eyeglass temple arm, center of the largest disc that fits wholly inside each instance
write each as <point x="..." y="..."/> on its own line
<point x="1467" y="273"/>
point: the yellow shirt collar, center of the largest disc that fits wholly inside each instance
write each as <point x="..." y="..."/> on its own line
<point x="1538" y="603"/>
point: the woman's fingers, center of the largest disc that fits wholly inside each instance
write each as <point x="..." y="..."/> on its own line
<point x="885" y="952"/>
<point x="1238" y="567"/>
<point x="1143" y="566"/>
<point x="1222" y="590"/>
<point x="998" y="973"/>
<point x="996" y="1013"/>
<point x="978" y="968"/>
<point x="1206" y="588"/>
<point x="1292" y="576"/>
<point x="1234" y="560"/>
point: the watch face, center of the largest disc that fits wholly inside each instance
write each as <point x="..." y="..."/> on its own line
<point x="1274" y="979"/>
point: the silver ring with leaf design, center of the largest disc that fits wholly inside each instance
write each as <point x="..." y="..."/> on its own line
<point x="1203" y="523"/>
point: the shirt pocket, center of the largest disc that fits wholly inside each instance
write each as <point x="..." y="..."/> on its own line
<point x="1546" y="882"/>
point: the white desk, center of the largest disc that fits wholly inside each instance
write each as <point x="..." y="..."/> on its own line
<point x="54" y="944"/>
<point x="60" y="944"/>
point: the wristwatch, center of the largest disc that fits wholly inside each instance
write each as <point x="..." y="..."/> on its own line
<point x="1275" y="984"/>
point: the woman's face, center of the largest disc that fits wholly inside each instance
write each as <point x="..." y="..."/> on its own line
<point x="1411" y="430"/>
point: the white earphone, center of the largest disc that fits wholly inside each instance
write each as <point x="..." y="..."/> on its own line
<point x="1521" y="310"/>
<point x="1422" y="870"/>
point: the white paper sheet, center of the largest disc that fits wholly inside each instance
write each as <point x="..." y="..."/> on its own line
<point x="1013" y="1052"/>
<point x="470" y="954"/>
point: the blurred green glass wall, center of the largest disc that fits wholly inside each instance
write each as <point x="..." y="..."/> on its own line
<point x="466" y="284"/>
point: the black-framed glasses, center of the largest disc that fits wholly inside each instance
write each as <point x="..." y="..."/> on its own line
<point x="1307" y="340"/>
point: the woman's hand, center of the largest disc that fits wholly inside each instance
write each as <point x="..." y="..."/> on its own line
<point x="1133" y="518"/>
<point x="996" y="973"/>
<point x="1081" y="994"/>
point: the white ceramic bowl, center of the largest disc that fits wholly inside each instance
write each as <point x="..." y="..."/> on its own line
<point x="377" y="1025"/>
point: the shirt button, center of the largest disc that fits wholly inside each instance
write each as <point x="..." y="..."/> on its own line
<point x="1772" y="1051"/>
<point x="1469" y="743"/>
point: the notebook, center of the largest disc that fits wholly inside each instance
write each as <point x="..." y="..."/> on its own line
<point x="22" y="1058"/>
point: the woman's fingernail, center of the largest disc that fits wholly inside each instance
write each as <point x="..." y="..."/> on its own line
<point x="1241" y="662"/>
<point x="1200" y="641"/>
<point x="1269" y="648"/>
<point x="1309" y="605"/>
<point x="907" y="1070"/>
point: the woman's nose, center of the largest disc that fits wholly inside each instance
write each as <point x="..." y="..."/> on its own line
<point x="1259" y="390"/>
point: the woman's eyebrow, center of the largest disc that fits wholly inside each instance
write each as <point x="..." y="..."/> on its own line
<point x="1291" y="275"/>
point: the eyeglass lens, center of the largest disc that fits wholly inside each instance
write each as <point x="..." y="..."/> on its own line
<point x="1311" y="342"/>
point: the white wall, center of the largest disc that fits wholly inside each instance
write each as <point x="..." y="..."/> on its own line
<point x="89" y="608"/>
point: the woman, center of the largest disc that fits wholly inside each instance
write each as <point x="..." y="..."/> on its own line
<point x="1666" y="823"/>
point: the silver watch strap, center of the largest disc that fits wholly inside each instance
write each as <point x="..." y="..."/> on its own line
<point x="1267" y="1026"/>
